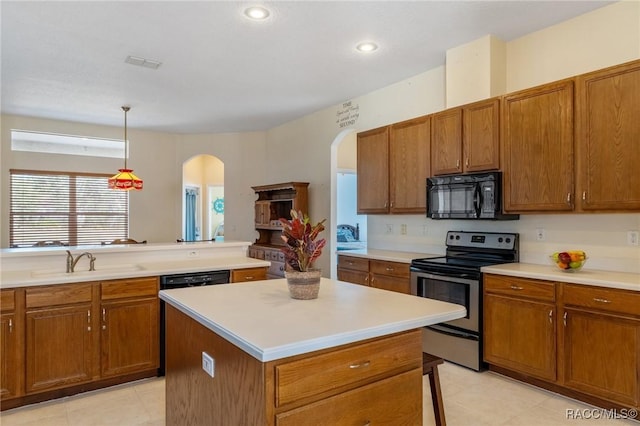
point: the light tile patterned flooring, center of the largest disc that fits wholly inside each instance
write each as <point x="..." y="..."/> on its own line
<point x="470" y="399"/>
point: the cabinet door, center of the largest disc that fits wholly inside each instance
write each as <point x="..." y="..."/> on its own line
<point x="263" y="213"/>
<point x="9" y="361"/>
<point x="409" y="165"/>
<point x="59" y="347"/>
<point x="520" y="335"/>
<point x="355" y="277"/>
<point x="601" y="355"/>
<point x="373" y="171"/>
<point x="538" y="149"/>
<point x="481" y="135"/>
<point x="608" y="137"/>
<point x="446" y="142"/>
<point x="129" y="336"/>
<point x="386" y="282"/>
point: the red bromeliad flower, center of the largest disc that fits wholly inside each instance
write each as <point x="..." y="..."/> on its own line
<point x="301" y="248"/>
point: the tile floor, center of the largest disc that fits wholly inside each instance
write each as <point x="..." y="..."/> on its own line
<point x="470" y="399"/>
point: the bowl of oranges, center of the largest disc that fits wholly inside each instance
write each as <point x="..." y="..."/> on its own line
<point x="569" y="261"/>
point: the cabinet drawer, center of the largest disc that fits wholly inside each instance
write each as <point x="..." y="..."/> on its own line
<point x="135" y="287"/>
<point x="354" y="277"/>
<point x="341" y="370"/>
<point x="606" y="299"/>
<point x="7" y="300"/>
<point x="354" y="263"/>
<point x="248" y="274"/>
<point x="395" y="269"/>
<point x="62" y="294"/>
<point x="520" y="287"/>
<point x="393" y="401"/>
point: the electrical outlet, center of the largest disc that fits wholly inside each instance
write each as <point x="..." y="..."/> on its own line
<point x="540" y="234"/>
<point x="632" y="238"/>
<point x="193" y="253"/>
<point x="208" y="364"/>
<point x="389" y="228"/>
<point x="403" y="229"/>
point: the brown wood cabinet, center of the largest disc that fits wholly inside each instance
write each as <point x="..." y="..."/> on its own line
<point x="538" y="149"/>
<point x="377" y="381"/>
<point x="409" y="165"/>
<point x="60" y="336"/>
<point x="394" y="276"/>
<point x="129" y="326"/>
<point x="602" y="343"/>
<point x="248" y="274"/>
<point x="608" y="138"/>
<point x="466" y="138"/>
<point x="393" y="165"/>
<point x="520" y="325"/>
<point x="373" y="171"/>
<point x="11" y="345"/>
<point x="584" y="343"/>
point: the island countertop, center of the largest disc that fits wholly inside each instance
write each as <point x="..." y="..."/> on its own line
<point x="261" y="319"/>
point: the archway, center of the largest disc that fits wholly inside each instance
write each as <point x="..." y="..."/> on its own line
<point x="203" y="198"/>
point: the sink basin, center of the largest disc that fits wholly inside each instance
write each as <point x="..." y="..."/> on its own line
<point x="102" y="269"/>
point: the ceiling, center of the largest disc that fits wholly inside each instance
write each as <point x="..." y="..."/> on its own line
<point x="221" y="72"/>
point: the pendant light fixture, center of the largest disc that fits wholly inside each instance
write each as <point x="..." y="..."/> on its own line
<point x="125" y="180"/>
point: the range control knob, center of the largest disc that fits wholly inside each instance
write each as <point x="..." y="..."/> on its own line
<point x="500" y="239"/>
<point x="508" y="240"/>
<point x="457" y="237"/>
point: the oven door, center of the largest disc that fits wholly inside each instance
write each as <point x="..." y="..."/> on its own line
<point x="459" y="288"/>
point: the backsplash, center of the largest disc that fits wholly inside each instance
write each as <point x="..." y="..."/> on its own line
<point x="602" y="236"/>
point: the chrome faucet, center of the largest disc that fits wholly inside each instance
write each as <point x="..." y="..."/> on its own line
<point x="71" y="262"/>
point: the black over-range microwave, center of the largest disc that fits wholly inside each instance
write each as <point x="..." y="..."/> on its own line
<point x="466" y="196"/>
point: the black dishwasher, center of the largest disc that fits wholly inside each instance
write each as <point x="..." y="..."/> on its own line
<point x="192" y="279"/>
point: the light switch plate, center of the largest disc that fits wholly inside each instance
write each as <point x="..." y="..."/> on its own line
<point x="208" y="364"/>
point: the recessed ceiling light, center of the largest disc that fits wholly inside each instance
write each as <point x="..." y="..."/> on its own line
<point x="257" y="13"/>
<point x="366" y="47"/>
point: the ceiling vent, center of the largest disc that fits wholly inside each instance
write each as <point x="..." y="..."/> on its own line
<point x="147" y="63"/>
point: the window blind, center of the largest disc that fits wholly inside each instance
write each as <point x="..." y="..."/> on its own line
<point x="72" y="208"/>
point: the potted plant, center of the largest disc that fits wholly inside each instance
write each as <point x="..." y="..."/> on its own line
<point x="302" y="247"/>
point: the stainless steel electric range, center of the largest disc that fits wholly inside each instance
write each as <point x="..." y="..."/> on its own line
<point x="456" y="278"/>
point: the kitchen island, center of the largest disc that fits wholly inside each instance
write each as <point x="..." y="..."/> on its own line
<point x="353" y="355"/>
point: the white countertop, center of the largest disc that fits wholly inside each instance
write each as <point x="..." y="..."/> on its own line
<point x="270" y="325"/>
<point x="387" y="255"/>
<point x="27" y="278"/>
<point x="611" y="279"/>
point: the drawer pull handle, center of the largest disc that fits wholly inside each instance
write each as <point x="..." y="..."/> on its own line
<point x="350" y="263"/>
<point x="89" y="320"/>
<point x="368" y="423"/>
<point x="248" y="277"/>
<point x="389" y="269"/>
<point x="364" y="364"/>
<point x="515" y="287"/>
<point x="599" y="300"/>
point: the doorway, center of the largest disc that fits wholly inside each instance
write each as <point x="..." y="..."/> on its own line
<point x="203" y="200"/>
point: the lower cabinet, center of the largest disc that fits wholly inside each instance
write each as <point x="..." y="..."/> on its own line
<point x="129" y="326"/>
<point x="520" y="329"/>
<point x="60" y="337"/>
<point x="394" y="276"/>
<point x="56" y="338"/>
<point x="585" y="344"/>
<point x="11" y="342"/>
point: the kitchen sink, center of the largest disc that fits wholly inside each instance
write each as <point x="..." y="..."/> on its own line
<point x="49" y="273"/>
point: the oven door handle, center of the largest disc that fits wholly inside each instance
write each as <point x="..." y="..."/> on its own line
<point x="477" y="200"/>
<point x="454" y="277"/>
<point x="451" y="332"/>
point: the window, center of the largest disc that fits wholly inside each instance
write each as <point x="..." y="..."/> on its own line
<point x="73" y="208"/>
<point x="51" y="143"/>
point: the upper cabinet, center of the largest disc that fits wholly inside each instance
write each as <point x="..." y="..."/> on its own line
<point x="467" y="138"/>
<point x="538" y="149"/>
<point x="373" y="171"/>
<point x="393" y="165"/>
<point x="608" y="138"/>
